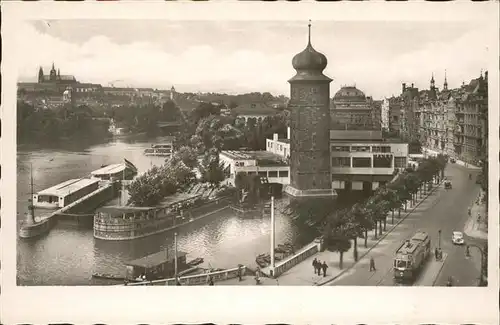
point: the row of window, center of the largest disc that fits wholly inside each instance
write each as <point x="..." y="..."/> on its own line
<point x="384" y="149"/>
<point x="366" y="162"/>
<point x="270" y="173"/>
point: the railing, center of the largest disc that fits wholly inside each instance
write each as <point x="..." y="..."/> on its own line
<point x="303" y="254"/>
<point x="198" y="279"/>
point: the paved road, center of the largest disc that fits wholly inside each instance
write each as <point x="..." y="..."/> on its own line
<point x="445" y="210"/>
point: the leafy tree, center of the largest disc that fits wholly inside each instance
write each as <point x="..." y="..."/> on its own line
<point x="151" y="187"/>
<point x="211" y="169"/>
<point x="377" y="211"/>
<point x="411" y="183"/>
<point x="204" y="110"/>
<point x="337" y="234"/>
<point x="363" y="220"/>
<point x="188" y="156"/>
<point x="391" y="199"/>
<point x="158" y="182"/>
<point x="313" y="211"/>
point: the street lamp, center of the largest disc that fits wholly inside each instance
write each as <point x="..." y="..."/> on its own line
<point x="482" y="282"/>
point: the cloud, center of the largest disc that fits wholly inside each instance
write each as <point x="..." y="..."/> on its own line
<point x="253" y="57"/>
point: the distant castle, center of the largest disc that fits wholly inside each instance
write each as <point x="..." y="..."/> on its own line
<point x="55" y="77"/>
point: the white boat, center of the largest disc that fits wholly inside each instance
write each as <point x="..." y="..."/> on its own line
<point x="124" y="171"/>
<point x="160" y="149"/>
<point x="65" y="193"/>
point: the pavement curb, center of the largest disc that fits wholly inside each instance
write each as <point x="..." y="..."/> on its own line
<point x="439" y="272"/>
<point x="383" y="236"/>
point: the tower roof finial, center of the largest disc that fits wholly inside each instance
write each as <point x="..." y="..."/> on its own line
<point x="309" y="26"/>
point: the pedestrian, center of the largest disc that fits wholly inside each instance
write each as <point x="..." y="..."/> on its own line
<point x="315" y="265"/>
<point x="436" y="253"/>
<point x="318" y="267"/>
<point x="372" y="264"/>
<point x="469" y="211"/>
<point x="211" y="281"/>
<point x="478" y="217"/>
<point x="239" y="273"/>
<point x="324" y="266"/>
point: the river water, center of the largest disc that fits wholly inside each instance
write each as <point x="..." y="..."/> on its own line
<point x="68" y="255"/>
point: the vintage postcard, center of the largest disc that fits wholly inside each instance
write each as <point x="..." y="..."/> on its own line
<point x="217" y="163"/>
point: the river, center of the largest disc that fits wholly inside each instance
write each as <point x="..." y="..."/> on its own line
<point x="68" y="255"/>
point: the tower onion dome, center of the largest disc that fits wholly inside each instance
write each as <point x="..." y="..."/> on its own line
<point x="309" y="58"/>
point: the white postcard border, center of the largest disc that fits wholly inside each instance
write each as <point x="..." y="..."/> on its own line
<point x="131" y="305"/>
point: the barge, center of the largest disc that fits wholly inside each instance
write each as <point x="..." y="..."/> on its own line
<point x="156" y="266"/>
<point x="131" y="222"/>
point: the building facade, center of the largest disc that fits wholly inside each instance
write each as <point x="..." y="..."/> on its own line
<point x="310" y="125"/>
<point x="363" y="160"/>
<point x="384" y="114"/>
<point x="351" y="109"/>
<point x="448" y="121"/>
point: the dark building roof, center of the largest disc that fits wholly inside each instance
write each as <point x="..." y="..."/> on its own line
<point x="309" y="64"/>
<point x="349" y="93"/>
<point x="254" y="109"/>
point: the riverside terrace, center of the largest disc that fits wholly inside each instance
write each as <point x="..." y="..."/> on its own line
<point x="263" y="163"/>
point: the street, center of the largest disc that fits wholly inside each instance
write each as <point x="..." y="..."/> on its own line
<point x="445" y="210"/>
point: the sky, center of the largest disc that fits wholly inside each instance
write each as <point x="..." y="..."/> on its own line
<point x="245" y="56"/>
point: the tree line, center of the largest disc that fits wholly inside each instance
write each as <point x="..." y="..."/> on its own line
<point x="341" y="228"/>
<point x="66" y="122"/>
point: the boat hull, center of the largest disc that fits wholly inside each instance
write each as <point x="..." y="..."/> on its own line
<point x="120" y="229"/>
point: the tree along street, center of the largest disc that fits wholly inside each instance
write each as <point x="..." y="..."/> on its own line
<point x="444" y="210"/>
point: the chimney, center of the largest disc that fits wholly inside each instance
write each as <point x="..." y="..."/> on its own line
<point x="404" y="87"/>
<point x="275" y="136"/>
<point x="288" y="133"/>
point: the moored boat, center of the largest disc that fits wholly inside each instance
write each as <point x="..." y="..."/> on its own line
<point x="65" y="193"/>
<point x="123" y="171"/>
<point x="196" y="261"/>
<point x="160" y="149"/>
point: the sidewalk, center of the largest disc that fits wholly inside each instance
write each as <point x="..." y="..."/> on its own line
<point x="477" y="224"/>
<point x="303" y="273"/>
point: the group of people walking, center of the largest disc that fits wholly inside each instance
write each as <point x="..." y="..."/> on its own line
<point x="318" y="266"/>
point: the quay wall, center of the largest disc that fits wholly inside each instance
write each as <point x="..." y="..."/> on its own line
<point x="197" y="279"/>
<point x="84" y="204"/>
<point x="106" y="228"/>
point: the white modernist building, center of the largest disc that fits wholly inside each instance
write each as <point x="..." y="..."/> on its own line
<point x="360" y="160"/>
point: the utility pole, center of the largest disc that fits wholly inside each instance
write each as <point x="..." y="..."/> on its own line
<point x="272" y="235"/>
<point x="439" y="238"/>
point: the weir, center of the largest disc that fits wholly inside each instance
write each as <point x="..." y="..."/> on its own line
<point x="92" y="200"/>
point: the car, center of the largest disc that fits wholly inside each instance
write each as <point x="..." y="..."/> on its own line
<point x="458" y="238"/>
<point x="447" y="184"/>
